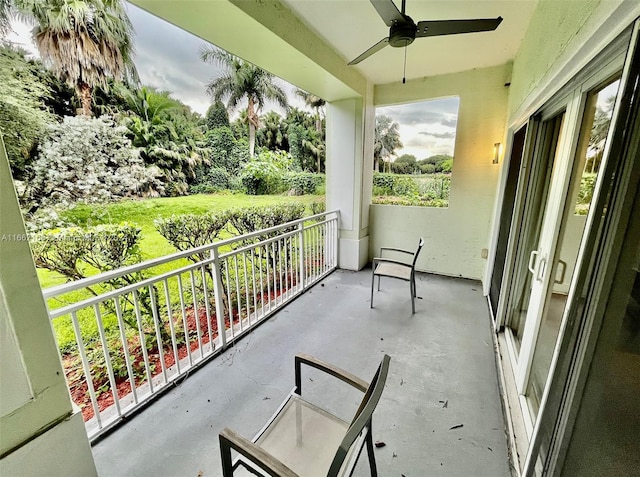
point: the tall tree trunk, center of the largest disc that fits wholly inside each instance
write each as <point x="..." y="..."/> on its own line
<point x="254" y="123"/>
<point x="252" y="139"/>
<point x="85" y="98"/>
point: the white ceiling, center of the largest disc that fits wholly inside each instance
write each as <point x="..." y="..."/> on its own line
<point x="352" y="26"/>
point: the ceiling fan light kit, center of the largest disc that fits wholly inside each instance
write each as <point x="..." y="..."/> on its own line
<point x="403" y="30"/>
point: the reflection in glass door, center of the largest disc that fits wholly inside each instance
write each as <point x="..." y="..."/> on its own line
<point x="538" y="180"/>
<point x="593" y="133"/>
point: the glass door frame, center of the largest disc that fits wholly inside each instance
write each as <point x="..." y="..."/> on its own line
<point x="593" y="281"/>
<point x="572" y="100"/>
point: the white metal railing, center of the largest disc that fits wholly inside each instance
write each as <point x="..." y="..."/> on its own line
<point x="143" y="329"/>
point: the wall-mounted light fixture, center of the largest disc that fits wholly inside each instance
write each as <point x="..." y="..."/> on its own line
<point x="497" y="150"/>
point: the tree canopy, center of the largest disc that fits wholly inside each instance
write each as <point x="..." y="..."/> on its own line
<point x="387" y="139"/>
<point x="240" y="80"/>
<point x="85" y="41"/>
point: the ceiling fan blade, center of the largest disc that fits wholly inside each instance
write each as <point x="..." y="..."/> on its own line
<point x="453" y="27"/>
<point x="375" y="48"/>
<point x="387" y="11"/>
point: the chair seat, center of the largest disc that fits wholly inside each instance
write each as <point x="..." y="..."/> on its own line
<point x="394" y="270"/>
<point x="304" y="437"/>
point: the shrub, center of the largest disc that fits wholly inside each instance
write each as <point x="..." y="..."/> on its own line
<point x="225" y="151"/>
<point x="250" y="219"/>
<point x="393" y="184"/>
<point x="104" y="247"/>
<point x="189" y="231"/>
<point x="427" y="168"/>
<point x="74" y="252"/>
<point x="410" y="201"/>
<point x="437" y="186"/>
<point x="88" y="160"/>
<point x="264" y="174"/>
<point x="404" y="186"/>
<point x="318" y="206"/>
<point x="383" y="182"/>
<point x="301" y="183"/>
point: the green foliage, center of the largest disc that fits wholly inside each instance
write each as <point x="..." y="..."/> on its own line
<point x="22" y="116"/>
<point x="75" y="251"/>
<point x="427" y="191"/>
<point x="318" y="206"/>
<point x="84" y="41"/>
<point x="392" y="184"/>
<point x="238" y="80"/>
<point x="224" y="151"/>
<point x="272" y="134"/>
<point x="189" y="231"/>
<point x="214" y="180"/>
<point x="167" y="134"/>
<point x="585" y="193"/>
<point x="301" y="183"/>
<point x="405" y="164"/>
<point x="437" y="163"/>
<point x="410" y="201"/>
<point x="387" y="139"/>
<point x="447" y="166"/>
<point x="264" y="174"/>
<point x="250" y="219"/>
<point x="87" y="160"/>
<point x="217" y="116"/>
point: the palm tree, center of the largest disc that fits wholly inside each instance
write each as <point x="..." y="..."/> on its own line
<point x="85" y="41"/>
<point x="314" y="102"/>
<point x="387" y="139"/>
<point x="5" y="16"/>
<point x="239" y="80"/>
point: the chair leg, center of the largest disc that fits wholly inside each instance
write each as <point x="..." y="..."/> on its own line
<point x="372" y="457"/>
<point x="373" y="280"/>
<point x="378" y="282"/>
<point x="413" y="305"/>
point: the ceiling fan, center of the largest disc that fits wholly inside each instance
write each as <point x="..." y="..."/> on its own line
<point x="403" y="30"/>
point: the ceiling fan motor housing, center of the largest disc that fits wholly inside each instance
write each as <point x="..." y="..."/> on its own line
<point x="402" y="34"/>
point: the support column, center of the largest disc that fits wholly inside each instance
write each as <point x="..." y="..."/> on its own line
<point x="42" y="433"/>
<point x="350" y="134"/>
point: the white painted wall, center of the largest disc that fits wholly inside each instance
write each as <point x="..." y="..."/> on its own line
<point x="349" y="174"/>
<point x="40" y="432"/>
<point x="454" y="236"/>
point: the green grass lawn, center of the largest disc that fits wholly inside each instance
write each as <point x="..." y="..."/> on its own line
<point x="143" y="212"/>
<point x="152" y="244"/>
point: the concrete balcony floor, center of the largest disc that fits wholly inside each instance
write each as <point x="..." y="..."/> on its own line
<point x="442" y="375"/>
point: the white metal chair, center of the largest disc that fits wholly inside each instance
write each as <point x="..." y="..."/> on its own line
<point x="304" y="440"/>
<point x="401" y="269"/>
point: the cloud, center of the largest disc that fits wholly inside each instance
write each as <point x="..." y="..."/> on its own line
<point x="168" y="58"/>
<point x="444" y="135"/>
<point x="450" y="121"/>
<point x="437" y="111"/>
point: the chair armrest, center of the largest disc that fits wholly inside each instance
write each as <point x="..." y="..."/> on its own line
<point x="399" y="250"/>
<point x="390" y="260"/>
<point x="261" y="458"/>
<point x="330" y="369"/>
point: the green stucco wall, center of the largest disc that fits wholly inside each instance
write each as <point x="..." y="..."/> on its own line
<point x="558" y="29"/>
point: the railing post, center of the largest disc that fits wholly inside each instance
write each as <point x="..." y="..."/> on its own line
<point x="217" y="293"/>
<point x="336" y="252"/>
<point x="301" y="276"/>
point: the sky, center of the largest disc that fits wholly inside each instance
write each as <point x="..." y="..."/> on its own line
<point x="426" y="128"/>
<point x="168" y="58"/>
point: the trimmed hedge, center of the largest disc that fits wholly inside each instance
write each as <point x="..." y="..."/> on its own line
<point x="301" y="183"/>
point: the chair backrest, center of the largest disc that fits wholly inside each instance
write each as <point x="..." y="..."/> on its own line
<point x="363" y="415"/>
<point x="415" y="255"/>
